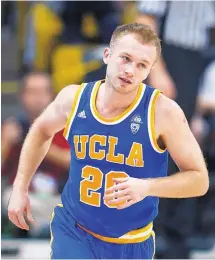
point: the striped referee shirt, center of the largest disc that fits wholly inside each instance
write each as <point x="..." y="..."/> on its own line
<point x="187" y="23"/>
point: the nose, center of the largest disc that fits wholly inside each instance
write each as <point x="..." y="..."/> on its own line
<point x="129" y="70"/>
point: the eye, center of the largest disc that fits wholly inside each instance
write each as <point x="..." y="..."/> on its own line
<point x="125" y="58"/>
<point x="142" y="65"/>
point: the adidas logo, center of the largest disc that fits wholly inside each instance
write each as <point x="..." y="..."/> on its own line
<point x="82" y="114"/>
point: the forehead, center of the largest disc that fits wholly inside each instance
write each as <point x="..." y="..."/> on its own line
<point x="37" y="82"/>
<point x="132" y="45"/>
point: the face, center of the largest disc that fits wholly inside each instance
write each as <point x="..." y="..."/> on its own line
<point x="128" y="63"/>
<point x="36" y="94"/>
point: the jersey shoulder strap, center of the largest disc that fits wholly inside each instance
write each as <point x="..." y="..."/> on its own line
<point x="73" y="110"/>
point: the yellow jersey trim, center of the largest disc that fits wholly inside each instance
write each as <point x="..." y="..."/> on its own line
<point x="153" y="235"/>
<point x="73" y="110"/>
<point x="151" y="122"/>
<point x="52" y="237"/>
<point x="135" y="236"/>
<point x="123" y="115"/>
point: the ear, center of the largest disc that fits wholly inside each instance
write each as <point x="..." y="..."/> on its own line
<point x="106" y="55"/>
<point x="151" y="68"/>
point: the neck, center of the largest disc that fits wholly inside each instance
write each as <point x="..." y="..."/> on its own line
<point x="111" y="100"/>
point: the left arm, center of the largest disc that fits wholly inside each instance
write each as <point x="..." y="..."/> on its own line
<point x="174" y="131"/>
<point x="192" y="180"/>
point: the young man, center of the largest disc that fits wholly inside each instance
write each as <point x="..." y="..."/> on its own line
<point x="119" y="130"/>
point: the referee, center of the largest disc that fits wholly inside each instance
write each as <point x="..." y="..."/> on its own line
<point x="184" y="28"/>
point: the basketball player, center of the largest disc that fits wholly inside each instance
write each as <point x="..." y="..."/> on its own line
<point x="120" y="131"/>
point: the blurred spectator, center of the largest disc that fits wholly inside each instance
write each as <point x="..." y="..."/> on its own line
<point x="35" y="95"/>
<point x="203" y="124"/>
<point x="184" y="30"/>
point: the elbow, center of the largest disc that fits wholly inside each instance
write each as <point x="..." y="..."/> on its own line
<point x="204" y="183"/>
<point x="39" y="128"/>
<point x="205" y="188"/>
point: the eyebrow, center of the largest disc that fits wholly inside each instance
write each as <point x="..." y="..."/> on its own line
<point x="125" y="53"/>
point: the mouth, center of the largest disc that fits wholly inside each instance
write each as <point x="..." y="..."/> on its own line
<point x="124" y="80"/>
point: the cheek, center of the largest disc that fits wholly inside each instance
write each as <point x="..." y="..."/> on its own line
<point x="120" y="66"/>
<point x="114" y="67"/>
<point x="142" y="75"/>
<point x="145" y="72"/>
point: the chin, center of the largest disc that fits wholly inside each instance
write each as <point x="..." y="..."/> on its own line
<point x="122" y="89"/>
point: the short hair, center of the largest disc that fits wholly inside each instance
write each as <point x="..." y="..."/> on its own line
<point x="145" y="33"/>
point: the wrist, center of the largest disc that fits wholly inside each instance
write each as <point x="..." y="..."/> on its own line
<point x="147" y="187"/>
<point x="150" y="187"/>
<point x="20" y="187"/>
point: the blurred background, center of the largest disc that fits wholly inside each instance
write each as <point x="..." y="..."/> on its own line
<point x="47" y="45"/>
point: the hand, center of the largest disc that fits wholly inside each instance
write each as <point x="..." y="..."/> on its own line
<point x="11" y="131"/>
<point x="19" y="204"/>
<point x="163" y="81"/>
<point x="126" y="192"/>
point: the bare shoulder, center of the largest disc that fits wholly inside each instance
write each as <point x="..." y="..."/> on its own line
<point x="67" y="93"/>
<point x="168" y="114"/>
<point x="65" y="98"/>
<point x="168" y="109"/>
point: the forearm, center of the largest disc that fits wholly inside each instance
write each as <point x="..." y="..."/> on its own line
<point x="180" y="185"/>
<point x="35" y="147"/>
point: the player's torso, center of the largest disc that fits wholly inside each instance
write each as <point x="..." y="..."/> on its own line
<point x="105" y="149"/>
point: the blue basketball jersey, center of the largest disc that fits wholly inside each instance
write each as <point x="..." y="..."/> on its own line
<point x="103" y="149"/>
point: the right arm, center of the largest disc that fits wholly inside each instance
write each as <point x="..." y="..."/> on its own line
<point x="36" y="146"/>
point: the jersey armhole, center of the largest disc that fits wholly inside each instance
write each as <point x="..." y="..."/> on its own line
<point x="151" y="122"/>
<point x="73" y="111"/>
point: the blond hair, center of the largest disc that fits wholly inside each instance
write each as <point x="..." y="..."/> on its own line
<point x="144" y="32"/>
